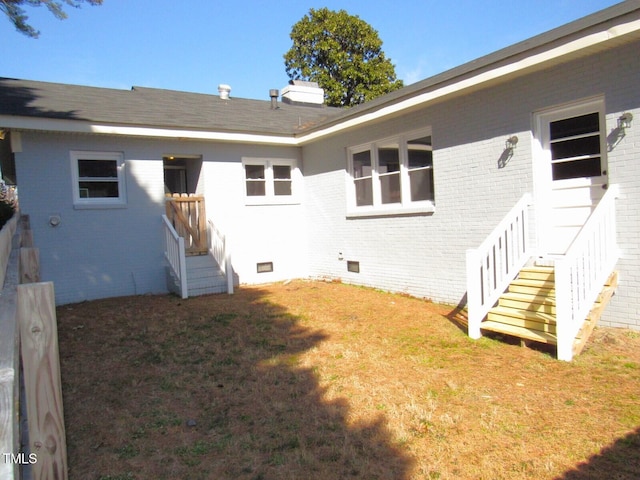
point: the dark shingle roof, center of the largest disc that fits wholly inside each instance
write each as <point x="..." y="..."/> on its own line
<point x="155" y="108"/>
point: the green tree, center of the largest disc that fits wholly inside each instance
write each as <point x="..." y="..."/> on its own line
<point x="13" y="9"/>
<point x="343" y="54"/>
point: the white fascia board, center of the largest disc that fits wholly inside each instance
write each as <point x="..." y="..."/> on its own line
<point x="74" y="126"/>
<point x="476" y="80"/>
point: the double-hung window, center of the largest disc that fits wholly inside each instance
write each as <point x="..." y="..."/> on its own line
<point x="392" y="176"/>
<point x="271" y="181"/>
<point x="98" y="179"/>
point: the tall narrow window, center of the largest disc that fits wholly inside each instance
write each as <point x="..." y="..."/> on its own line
<point x="362" y="170"/>
<point x="282" y="180"/>
<point x="98" y="178"/>
<point x="420" y="163"/>
<point x="389" y="172"/>
<point x="255" y="180"/>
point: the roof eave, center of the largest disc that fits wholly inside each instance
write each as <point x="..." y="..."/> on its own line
<point x="557" y="45"/>
<point x="84" y="127"/>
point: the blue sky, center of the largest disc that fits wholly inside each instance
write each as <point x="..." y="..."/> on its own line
<point x="194" y="45"/>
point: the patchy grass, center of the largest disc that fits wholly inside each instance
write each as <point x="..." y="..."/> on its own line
<point x="329" y="381"/>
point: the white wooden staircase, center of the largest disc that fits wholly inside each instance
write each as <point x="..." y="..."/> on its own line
<point x="527" y="310"/>
<point x="510" y="293"/>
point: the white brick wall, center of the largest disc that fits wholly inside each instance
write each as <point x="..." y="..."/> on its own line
<point x="425" y="255"/>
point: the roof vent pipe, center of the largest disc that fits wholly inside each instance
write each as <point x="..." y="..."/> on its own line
<point x="273" y="93"/>
<point x="224" y="91"/>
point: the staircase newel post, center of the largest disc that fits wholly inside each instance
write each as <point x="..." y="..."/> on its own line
<point x="474" y="299"/>
<point x="564" y="330"/>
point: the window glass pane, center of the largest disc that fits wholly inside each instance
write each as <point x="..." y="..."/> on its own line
<point x="282" y="187"/>
<point x="576" y="147"/>
<point x="254" y="172"/>
<point x="421" y="184"/>
<point x="282" y="172"/>
<point x="388" y="159"/>
<point x="570" y="127"/>
<point x="390" y="188"/>
<point x="364" y="191"/>
<point x="98" y="189"/>
<point x="256" y="188"/>
<point x="589" y="167"/>
<point x="362" y="164"/>
<point x="97" y="168"/>
<point x="420" y="152"/>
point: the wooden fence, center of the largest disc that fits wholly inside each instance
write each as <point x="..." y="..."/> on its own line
<point x="28" y="323"/>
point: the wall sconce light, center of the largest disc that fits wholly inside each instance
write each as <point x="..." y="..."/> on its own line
<point x="624" y="121"/>
<point x="511" y="142"/>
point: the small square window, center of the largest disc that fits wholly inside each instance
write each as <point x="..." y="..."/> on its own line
<point x="353" y="267"/>
<point x="98" y="179"/>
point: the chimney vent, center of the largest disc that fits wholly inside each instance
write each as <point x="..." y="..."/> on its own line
<point x="224" y="91"/>
<point x="273" y="93"/>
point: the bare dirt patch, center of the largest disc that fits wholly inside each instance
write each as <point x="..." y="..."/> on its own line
<point x="314" y="380"/>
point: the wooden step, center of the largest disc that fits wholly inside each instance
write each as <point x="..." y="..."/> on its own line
<point x="537" y="273"/>
<point x="522" y="318"/>
<point x="520" y="332"/>
<point x="533" y="303"/>
<point x="533" y="287"/>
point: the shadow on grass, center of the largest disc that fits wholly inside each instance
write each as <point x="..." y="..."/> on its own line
<point x="620" y="461"/>
<point x="209" y="387"/>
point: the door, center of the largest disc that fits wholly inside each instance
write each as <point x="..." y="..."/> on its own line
<point x="573" y="172"/>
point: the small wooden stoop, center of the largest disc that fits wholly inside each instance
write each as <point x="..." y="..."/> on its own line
<point x="527" y="310"/>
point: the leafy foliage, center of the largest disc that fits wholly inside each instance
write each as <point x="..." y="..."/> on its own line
<point x="13" y="9"/>
<point x="343" y="53"/>
<point x="7" y="204"/>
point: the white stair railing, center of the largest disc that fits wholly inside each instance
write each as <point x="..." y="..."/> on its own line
<point x="583" y="271"/>
<point x="175" y="255"/>
<point x="496" y="262"/>
<point x="220" y="251"/>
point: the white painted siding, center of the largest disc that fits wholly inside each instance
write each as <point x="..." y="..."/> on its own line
<point x="100" y="253"/>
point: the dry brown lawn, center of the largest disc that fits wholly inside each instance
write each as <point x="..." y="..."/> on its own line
<point x="314" y="380"/>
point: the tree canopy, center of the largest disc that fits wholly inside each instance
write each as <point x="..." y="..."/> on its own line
<point x="17" y="15"/>
<point x="343" y="54"/>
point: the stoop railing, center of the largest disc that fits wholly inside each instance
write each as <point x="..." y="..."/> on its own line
<point x="496" y="262"/>
<point x="581" y="273"/>
<point x="220" y="251"/>
<point x="175" y="255"/>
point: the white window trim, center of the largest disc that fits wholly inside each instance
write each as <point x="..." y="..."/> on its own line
<point x="270" y="198"/>
<point x="80" y="202"/>
<point x="405" y="206"/>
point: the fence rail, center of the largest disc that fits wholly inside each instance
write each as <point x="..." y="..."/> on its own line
<point x="220" y="251"/>
<point x="175" y="255"/>
<point x="584" y="269"/>
<point x="496" y="262"/>
<point x="28" y="327"/>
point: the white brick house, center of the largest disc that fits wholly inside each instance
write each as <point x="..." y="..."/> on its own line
<point x="391" y="194"/>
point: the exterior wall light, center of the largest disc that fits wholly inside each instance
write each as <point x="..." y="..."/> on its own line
<point x="625" y="120"/>
<point x="511" y="142"/>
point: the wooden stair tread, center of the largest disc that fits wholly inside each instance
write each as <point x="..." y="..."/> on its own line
<point x="520" y="332"/>
<point x="523" y="314"/>
<point x="529" y="297"/>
